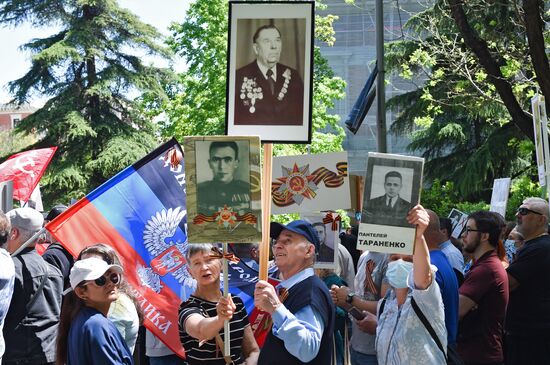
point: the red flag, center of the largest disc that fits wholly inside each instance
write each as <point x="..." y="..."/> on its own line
<point x="25" y="170"/>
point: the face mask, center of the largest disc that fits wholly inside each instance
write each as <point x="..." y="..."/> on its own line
<point x="398" y="272"/>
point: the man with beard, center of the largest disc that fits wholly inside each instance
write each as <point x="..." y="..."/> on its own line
<point x="528" y="315"/>
<point x="483" y="296"/>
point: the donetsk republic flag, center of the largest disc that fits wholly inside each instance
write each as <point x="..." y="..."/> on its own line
<point x="141" y="213"/>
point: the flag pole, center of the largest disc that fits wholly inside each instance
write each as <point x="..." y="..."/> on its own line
<point x="226" y="334"/>
<point x="28" y="242"/>
<point x="266" y="209"/>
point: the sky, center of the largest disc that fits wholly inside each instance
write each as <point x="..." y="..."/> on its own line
<point x="15" y="63"/>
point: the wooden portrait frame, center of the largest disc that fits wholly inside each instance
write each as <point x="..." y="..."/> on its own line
<point x="221" y="211"/>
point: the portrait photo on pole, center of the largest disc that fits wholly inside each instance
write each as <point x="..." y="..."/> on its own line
<point x="327" y="226"/>
<point x="392" y="188"/>
<point x="458" y="220"/>
<point x="541" y="133"/>
<point x="223" y="189"/>
<point x="499" y="197"/>
<point x="269" y="72"/>
<point x="310" y="183"/>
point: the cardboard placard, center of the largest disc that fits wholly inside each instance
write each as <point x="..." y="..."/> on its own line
<point x="310" y="183"/>
<point x="223" y="189"/>
<point x="392" y="188"/>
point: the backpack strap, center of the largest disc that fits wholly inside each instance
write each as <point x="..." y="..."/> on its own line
<point x="428" y="326"/>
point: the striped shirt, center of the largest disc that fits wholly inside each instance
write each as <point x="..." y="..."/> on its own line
<point x="208" y="353"/>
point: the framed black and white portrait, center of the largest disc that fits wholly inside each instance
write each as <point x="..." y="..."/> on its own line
<point x="392" y="188"/>
<point x="223" y="188"/>
<point x="327" y="226"/>
<point x="269" y="73"/>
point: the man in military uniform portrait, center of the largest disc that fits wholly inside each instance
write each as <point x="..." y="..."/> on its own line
<point x="268" y="92"/>
<point x="224" y="189"/>
<point x="326" y="253"/>
<point x="389" y="208"/>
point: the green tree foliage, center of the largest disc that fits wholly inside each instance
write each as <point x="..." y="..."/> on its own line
<point x="469" y="124"/>
<point x="197" y="106"/>
<point x="87" y="70"/>
<point x="443" y="197"/>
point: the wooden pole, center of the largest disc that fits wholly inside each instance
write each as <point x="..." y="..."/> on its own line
<point x="226" y="334"/>
<point x="266" y="210"/>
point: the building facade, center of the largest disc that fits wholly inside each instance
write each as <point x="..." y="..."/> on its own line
<point x="353" y="56"/>
<point x="11" y="115"/>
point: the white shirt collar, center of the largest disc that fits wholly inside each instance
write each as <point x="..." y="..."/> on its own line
<point x="264" y="69"/>
<point x="296" y="278"/>
<point x="393" y="200"/>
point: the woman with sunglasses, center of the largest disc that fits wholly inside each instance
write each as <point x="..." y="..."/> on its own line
<point x="125" y="312"/>
<point x="85" y="335"/>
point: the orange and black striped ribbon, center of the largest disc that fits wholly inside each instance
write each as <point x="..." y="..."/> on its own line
<point x="369" y="283"/>
<point x="334" y="220"/>
<point x="248" y="218"/>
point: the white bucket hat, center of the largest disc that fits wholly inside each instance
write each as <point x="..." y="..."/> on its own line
<point x="89" y="269"/>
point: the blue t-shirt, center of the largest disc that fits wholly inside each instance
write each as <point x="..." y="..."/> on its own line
<point x="94" y="340"/>
<point x="448" y="283"/>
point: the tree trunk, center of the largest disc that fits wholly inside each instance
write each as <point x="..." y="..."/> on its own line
<point x="479" y="47"/>
<point x="535" y="38"/>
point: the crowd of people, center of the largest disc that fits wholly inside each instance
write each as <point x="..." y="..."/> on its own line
<point x="481" y="298"/>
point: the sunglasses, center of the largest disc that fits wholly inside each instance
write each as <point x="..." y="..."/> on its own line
<point x="113" y="277"/>
<point x="525" y="211"/>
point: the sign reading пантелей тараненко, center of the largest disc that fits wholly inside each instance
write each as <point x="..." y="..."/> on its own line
<point x="392" y="188"/>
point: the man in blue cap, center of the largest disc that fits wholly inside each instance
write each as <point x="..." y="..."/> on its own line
<point x="302" y="311"/>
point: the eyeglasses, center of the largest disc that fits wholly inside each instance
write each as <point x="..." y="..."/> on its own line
<point x="114" y="278"/>
<point x="525" y="211"/>
<point x="468" y="230"/>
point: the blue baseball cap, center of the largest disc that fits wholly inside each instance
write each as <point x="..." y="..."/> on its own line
<point x="301" y="227"/>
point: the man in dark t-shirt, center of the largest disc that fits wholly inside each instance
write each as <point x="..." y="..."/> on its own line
<point x="528" y="315"/>
<point x="484" y="294"/>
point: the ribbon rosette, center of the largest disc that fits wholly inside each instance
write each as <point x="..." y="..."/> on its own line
<point x="329" y="218"/>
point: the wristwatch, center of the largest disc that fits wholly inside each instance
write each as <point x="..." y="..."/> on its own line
<point x="349" y="298"/>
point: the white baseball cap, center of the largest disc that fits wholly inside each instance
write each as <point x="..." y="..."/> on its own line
<point x="89" y="269"/>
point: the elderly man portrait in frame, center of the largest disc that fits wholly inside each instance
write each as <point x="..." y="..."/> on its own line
<point x="267" y="91"/>
<point x="389" y="208"/>
<point x="225" y="189"/>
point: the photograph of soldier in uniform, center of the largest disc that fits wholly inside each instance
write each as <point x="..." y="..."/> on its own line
<point x="225" y="185"/>
<point x="222" y="175"/>
<point x="268" y="91"/>
<point x="270" y="70"/>
<point x="391" y="190"/>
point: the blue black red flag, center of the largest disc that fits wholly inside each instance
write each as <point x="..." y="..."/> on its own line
<point x="141" y="212"/>
<point x="243" y="276"/>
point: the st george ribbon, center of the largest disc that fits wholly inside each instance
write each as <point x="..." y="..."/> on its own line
<point x="140" y="212"/>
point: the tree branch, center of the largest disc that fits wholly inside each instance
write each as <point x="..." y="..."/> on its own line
<point x="481" y="50"/>
<point x="537" y="51"/>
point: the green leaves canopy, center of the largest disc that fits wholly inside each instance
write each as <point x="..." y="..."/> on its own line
<point x="88" y="69"/>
